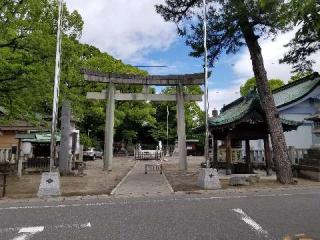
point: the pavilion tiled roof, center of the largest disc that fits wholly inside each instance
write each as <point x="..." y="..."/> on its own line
<point x="283" y="96"/>
<point x="295" y="91"/>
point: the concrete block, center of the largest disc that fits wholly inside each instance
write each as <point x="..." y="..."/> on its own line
<point x="49" y="185"/>
<point x="209" y="179"/>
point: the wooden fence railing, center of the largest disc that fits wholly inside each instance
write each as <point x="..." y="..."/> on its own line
<point x="258" y="157"/>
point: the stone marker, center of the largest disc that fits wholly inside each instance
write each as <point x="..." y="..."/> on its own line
<point x="209" y="179"/>
<point x="64" y="153"/>
<point x="49" y="185"/>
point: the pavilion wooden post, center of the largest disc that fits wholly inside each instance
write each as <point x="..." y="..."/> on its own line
<point x="108" y="142"/>
<point x="248" y="160"/>
<point x="181" y="127"/>
<point x="228" y="154"/>
<point x="267" y="154"/>
<point x="215" y="152"/>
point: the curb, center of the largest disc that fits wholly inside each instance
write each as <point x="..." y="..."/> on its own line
<point x="243" y="190"/>
<point x="167" y="182"/>
<point x="122" y="180"/>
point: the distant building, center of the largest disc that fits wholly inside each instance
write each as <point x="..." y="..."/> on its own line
<point x="297" y="101"/>
<point x="8" y="132"/>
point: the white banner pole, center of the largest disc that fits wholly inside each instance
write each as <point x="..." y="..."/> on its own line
<point x="56" y="88"/>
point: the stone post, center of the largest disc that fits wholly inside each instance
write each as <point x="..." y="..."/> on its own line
<point x="292" y="154"/>
<point x="64" y="153"/>
<point x="108" y="141"/>
<point x="181" y="127"/>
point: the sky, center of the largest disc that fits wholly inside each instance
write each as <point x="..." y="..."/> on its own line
<point x="132" y="31"/>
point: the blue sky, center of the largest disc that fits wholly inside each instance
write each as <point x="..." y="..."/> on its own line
<point x="132" y="31"/>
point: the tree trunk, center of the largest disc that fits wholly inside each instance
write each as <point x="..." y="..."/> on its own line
<point x="282" y="163"/>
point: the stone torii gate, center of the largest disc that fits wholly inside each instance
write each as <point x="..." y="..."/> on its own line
<point x="156" y="80"/>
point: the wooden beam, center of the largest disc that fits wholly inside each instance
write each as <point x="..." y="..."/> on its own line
<point x="143" y="97"/>
<point x="267" y="154"/>
<point x="248" y="157"/>
<point x="156" y="80"/>
<point x="228" y="154"/>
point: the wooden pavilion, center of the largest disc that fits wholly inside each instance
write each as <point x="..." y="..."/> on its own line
<point x="243" y="120"/>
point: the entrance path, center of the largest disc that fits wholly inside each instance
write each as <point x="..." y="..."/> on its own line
<point x="137" y="183"/>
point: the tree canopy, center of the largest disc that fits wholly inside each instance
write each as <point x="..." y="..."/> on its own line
<point x="251" y="84"/>
<point x="305" y="16"/>
<point x="27" y="59"/>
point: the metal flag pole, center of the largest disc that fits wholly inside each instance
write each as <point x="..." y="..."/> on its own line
<point x="206" y="147"/>
<point x="56" y="88"/>
<point x="167" y="152"/>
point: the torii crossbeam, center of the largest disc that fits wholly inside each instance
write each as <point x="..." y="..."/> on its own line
<point x="157" y="80"/>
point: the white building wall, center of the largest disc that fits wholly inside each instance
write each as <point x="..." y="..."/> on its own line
<point x="302" y="138"/>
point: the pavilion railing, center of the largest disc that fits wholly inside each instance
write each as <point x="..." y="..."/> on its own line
<point x="257" y="156"/>
<point x="39" y="164"/>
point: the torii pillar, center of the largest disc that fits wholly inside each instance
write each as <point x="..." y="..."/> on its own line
<point x="109" y="129"/>
<point x="111" y="95"/>
<point x="181" y="129"/>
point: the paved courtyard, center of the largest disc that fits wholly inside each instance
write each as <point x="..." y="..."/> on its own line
<point x="137" y="183"/>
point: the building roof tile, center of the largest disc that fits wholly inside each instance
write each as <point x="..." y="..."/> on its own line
<point x="283" y="96"/>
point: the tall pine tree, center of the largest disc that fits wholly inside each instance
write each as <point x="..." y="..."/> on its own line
<point x="231" y="25"/>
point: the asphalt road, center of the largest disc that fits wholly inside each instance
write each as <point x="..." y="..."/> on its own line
<point x="247" y="215"/>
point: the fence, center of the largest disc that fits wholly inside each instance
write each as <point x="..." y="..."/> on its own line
<point x="257" y="156"/>
<point x="37" y="164"/>
<point x="6" y="155"/>
<point x="148" y="155"/>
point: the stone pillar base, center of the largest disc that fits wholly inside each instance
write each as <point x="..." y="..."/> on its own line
<point x="49" y="185"/>
<point x="208" y="179"/>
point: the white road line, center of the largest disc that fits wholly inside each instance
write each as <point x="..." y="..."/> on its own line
<point x="248" y="220"/>
<point x="126" y="202"/>
<point x="28" y="232"/>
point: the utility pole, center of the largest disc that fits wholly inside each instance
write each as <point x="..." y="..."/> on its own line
<point x="53" y="147"/>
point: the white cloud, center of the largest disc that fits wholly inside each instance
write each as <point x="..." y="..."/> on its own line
<point x="126" y="29"/>
<point x="220" y="97"/>
<point x="272" y="51"/>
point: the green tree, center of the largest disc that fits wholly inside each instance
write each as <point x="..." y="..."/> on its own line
<point x="299" y="75"/>
<point x="27" y="50"/>
<point x="231" y="25"/>
<point x="27" y="59"/>
<point x="304" y="15"/>
<point x="251" y="84"/>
